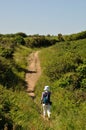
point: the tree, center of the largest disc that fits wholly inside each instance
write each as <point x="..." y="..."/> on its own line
<point x="60" y="37"/>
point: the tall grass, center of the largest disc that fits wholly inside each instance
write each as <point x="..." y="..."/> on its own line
<point x="58" y="63"/>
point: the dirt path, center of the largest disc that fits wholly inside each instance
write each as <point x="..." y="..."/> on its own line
<point x="34" y="72"/>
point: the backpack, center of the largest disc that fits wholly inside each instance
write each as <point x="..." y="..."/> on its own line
<point x="46" y="98"/>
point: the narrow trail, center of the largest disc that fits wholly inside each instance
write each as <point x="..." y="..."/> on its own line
<point x="34" y="72"/>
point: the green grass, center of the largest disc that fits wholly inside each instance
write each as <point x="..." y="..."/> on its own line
<point x="63" y="69"/>
<point x="68" y="108"/>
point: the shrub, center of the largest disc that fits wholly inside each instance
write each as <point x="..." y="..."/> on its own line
<point x="39" y="41"/>
<point x="57" y="66"/>
<point x="83" y="84"/>
<point x="21" y="34"/>
<point x="20" y="40"/>
<point x="60" y="37"/>
<point x="7" y="53"/>
<point x="82" y="70"/>
<point x="69" y="81"/>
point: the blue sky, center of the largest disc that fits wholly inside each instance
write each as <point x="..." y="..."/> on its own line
<point x="42" y="16"/>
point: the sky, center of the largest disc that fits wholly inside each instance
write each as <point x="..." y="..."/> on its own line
<point x="42" y="17"/>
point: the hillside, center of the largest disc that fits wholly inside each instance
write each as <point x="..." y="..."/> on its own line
<point x="63" y="65"/>
<point x="64" y="70"/>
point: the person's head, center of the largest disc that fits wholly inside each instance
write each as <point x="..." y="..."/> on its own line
<point x="46" y="88"/>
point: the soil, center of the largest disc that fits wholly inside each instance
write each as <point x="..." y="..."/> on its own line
<point x="34" y="72"/>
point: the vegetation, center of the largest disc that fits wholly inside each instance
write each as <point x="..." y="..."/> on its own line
<point x="63" y="62"/>
<point x="64" y="69"/>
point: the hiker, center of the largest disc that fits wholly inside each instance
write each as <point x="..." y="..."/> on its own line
<point x="46" y="103"/>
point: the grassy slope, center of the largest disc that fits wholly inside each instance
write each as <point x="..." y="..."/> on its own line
<point x="68" y="109"/>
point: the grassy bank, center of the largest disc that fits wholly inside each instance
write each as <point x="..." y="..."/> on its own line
<point x="63" y="67"/>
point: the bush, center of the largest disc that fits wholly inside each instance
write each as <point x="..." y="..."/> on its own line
<point x="60" y="37"/>
<point x="82" y="70"/>
<point x="7" y="53"/>
<point x="39" y="41"/>
<point x="21" y="34"/>
<point x="69" y="81"/>
<point x="20" y="40"/>
<point x="58" y="66"/>
<point x="83" y="84"/>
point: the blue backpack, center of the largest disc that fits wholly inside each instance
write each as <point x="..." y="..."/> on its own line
<point x="46" y="98"/>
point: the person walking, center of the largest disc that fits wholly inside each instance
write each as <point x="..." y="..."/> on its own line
<point x="46" y="103"/>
